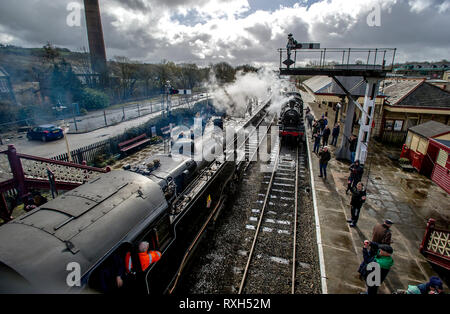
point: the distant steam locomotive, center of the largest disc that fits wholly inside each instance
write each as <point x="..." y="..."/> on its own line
<point x="291" y="122"/>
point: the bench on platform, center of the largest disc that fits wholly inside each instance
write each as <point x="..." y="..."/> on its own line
<point x="134" y="143"/>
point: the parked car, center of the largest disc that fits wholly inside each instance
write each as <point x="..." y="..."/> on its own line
<point x="45" y="133"/>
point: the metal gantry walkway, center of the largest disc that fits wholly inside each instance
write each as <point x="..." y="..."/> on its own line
<point x="370" y="63"/>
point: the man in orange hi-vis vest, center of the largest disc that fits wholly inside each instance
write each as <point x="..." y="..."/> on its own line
<point x="146" y="257"/>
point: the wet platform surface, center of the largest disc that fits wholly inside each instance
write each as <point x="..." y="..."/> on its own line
<point x="408" y="199"/>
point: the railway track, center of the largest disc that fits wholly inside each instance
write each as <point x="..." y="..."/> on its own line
<point x="283" y="258"/>
<point x="271" y="260"/>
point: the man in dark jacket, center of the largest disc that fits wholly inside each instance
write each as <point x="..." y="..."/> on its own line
<point x="325" y="135"/>
<point x="310" y="119"/>
<point x="382" y="233"/>
<point x="434" y="286"/>
<point x="353" y="140"/>
<point x="356" y="173"/>
<point x="316" y="137"/>
<point x="321" y="123"/>
<point x="325" y="157"/>
<point x="335" y="134"/>
<point x="316" y="128"/>
<point x="370" y="251"/>
<point x="358" y="199"/>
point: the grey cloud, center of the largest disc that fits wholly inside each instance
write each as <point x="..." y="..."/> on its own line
<point x="418" y="36"/>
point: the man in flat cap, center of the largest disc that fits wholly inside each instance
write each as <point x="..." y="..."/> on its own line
<point x="381" y="232"/>
<point x="385" y="262"/>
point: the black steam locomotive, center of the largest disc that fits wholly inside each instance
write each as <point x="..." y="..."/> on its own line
<point x="168" y="202"/>
<point x="291" y="122"/>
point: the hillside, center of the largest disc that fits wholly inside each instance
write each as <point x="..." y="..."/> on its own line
<point x="19" y="62"/>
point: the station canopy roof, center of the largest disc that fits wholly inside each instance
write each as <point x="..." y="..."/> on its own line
<point x="326" y="85"/>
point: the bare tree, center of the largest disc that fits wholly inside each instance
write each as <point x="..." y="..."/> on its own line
<point x="128" y="75"/>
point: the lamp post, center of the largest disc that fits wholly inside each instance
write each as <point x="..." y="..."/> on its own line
<point x="66" y="132"/>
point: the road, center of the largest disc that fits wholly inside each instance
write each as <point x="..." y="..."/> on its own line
<point x="95" y="120"/>
<point x="53" y="148"/>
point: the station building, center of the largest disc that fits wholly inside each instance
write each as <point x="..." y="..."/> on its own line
<point x="422" y="145"/>
<point x="411" y="102"/>
<point x="401" y="103"/>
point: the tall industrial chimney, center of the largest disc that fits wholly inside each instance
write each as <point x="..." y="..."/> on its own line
<point x="95" y="37"/>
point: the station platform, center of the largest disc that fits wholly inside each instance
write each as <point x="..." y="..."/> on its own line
<point x="408" y="199"/>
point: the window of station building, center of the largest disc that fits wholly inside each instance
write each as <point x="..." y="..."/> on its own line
<point x="389" y="125"/>
<point x="423" y="145"/>
<point x="442" y="158"/>
<point x="414" y="143"/>
<point x="398" y="125"/>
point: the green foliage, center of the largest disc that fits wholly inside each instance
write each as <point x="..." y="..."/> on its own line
<point x="404" y="161"/>
<point x="93" y="99"/>
<point x="224" y="72"/>
<point x="246" y="68"/>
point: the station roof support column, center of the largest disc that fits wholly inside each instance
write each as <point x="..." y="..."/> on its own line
<point x="343" y="152"/>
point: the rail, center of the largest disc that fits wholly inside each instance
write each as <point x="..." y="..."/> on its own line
<point x="265" y="204"/>
<point x="258" y="227"/>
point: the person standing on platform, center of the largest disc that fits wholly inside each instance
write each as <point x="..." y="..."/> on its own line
<point x="335" y="134"/>
<point x="316" y="128"/>
<point x="325" y="135"/>
<point x="356" y="173"/>
<point x="353" y="143"/>
<point x="317" y="136"/>
<point x="325" y="157"/>
<point x="382" y="232"/>
<point x="358" y="199"/>
<point x="321" y="123"/>
<point x="310" y="119"/>
<point x="385" y="262"/>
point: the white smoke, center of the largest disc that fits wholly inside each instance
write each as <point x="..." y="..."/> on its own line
<point x="233" y="98"/>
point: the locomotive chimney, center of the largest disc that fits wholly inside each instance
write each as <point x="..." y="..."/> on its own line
<point x="95" y="36"/>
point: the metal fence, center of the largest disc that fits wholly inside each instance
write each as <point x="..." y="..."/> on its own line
<point x="85" y="154"/>
<point x="394" y="137"/>
<point x="79" y="123"/>
<point x="108" y="117"/>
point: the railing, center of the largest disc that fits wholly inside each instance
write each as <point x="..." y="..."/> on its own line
<point x="85" y="154"/>
<point x="436" y="245"/>
<point x="394" y="137"/>
<point x="31" y="172"/>
<point x="339" y="58"/>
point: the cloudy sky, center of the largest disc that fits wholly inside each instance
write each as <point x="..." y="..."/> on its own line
<point x="235" y="31"/>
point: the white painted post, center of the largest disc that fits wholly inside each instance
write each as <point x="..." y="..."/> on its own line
<point x="365" y="123"/>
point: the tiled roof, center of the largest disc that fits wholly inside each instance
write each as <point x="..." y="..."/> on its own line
<point x="397" y="89"/>
<point x="430" y="129"/>
<point x="318" y="83"/>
